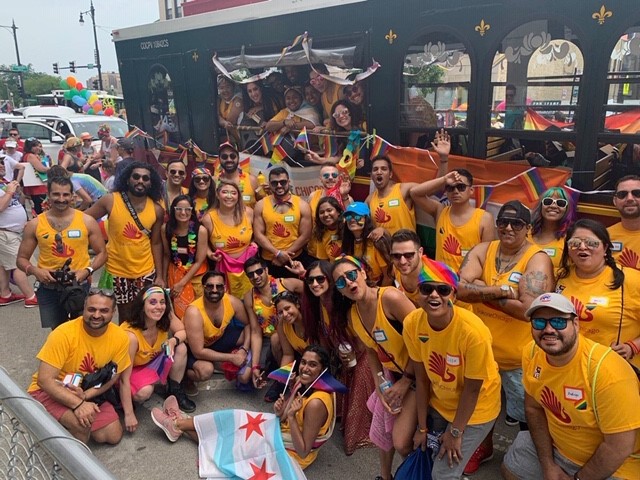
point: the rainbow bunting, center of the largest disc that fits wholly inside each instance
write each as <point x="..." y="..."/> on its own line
<point x="279" y="154"/>
<point x="265" y="141"/>
<point x="380" y="147"/>
<point x="532" y="183"/>
<point x="330" y="146"/>
<point x="481" y="194"/>
<point x="276" y="138"/>
<point x="302" y="140"/>
<point x="245" y="164"/>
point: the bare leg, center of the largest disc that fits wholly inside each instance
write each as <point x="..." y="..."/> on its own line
<point x="186" y="426"/>
<point x="179" y="363"/>
<point x="5" y="291"/>
<point x="23" y="283"/>
<point x="386" y="462"/>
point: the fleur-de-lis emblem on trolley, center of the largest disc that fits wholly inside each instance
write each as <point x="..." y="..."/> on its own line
<point x="482" y="28"/>
<point x="390" y="37"/>
<point x="602" y="15"/>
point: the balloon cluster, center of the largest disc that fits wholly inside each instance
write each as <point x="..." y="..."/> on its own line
<point x="84" y="98"/>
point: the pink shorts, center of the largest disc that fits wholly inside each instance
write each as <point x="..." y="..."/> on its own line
<point x="106" y="416"/>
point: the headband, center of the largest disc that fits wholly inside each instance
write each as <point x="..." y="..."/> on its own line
<point x="439" y="272"/>
<point x="151" y="291"/>
<point x="350" y="258"/>
<point x="200" y="171"/>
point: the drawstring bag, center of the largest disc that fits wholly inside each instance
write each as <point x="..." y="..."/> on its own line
<point x="417" y="466"/>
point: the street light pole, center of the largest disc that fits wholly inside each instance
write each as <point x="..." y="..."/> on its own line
<point x="15" y="42"/>
<point x="92" y="12"/>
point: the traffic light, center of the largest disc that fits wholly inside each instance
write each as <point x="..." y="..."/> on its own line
<point x="55" y="68"/>
<point x="72" y="67"/>
<point x="95" y="84"/>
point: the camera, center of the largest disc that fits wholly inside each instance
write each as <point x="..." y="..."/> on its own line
<point x="63" y="275"/>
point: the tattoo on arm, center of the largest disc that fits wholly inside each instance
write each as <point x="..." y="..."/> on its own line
<point x="465" y="260"/>
<point x="535" y="283"/>
<point x="480" y="290"/>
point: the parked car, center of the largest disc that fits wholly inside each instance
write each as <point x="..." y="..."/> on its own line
<point x="77" y="124"/>
<point x="51" y="139"/>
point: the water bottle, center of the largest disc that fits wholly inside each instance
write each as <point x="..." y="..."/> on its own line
<point x="384" y="385"/>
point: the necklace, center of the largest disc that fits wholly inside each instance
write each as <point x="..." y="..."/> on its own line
<point x="191" y="248"/>
<point x="267" y="323"/>
<point x="508" y="263"/>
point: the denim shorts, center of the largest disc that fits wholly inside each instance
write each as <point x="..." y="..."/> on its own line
<point x="514" y="393"/>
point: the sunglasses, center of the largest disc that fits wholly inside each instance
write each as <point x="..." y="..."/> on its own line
<point x="343" y="113"/>
<point x="201" y="179"/>
<point x="179" y="173"/>
<point x="279" y="183"/>
<point x="622" y="194"/>
<point x="560" y="202"/>
<point x="590" y="243"/>
<point x="14" y="134"/>
<point x="427" y="289"/>
<point x="341" y="281"/>
<point x="461" y="187"/>
<point x="516" y="223"/>
<point x="256" y="273"/>
<point x="59" y="244"/>
<point x="101" y="291"/>
<point x="137" y="176"/>
<point x="327" y="176"/>
<point x="184" y="209"/>
<point x="352" y="216"/>
<point x="407" y="255"/>
<point x="228" y="156"/>
<point x="218" y="287"/>
<point x="557" y="323"/>
<point x="318" y="278"/>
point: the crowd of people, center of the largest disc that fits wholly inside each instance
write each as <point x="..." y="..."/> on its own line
<point x="228" y="274"/>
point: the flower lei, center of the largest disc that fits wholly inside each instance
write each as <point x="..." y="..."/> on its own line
<point x="192" y="242"/>
<point x="267" y="326"/>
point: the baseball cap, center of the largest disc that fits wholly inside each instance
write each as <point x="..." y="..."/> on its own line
<point x="85" y="136"/>
<point x="228" y="145"/>
<point x="358" y="208"/>
<point x="552" y="300"/>
<point x="126" y="144"/>
<point x="11" y="144"/>
<point x="521" y="211"/>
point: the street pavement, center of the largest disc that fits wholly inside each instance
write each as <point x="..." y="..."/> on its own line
<point x="147" y="454"/>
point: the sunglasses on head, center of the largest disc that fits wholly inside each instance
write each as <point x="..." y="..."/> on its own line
<point x="219" y="287"/>
<point x="575" y="243"/>
<point x="427" y="289"/>
<point x="622" y="194"/>
<point x="461" y="187"/>
<point x="279" y="183"/>
<point x="137" y="176"/>
<point x="59" y="244"/>
<point x="407" y="255"/>
<point x="327" y="176"/>
<point x="228" y="156"/>
<point x="256" y="273"/>
<point x="560" y="202"/>
<point x="341" y="281"/>
<point x="317" y="278"/>
<point x="557" y="323"/>
<point x="515" y="223"/>
<point x="352" y="216"/>
<point x="180" y="173"/>
<point x="101" y="291"/>
<point x="204" y="179"/>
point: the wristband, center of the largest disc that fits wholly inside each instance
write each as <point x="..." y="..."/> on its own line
<point x="77" y="406"/>
<point x="278" y="253"/>
<point x="575" y="476"/>
<point x="632" y="346"/>
<point x="422" y="430"/>
<point x="256" y="367"/>
<point x="245" y="350"/>
<point x="177" y="340"/>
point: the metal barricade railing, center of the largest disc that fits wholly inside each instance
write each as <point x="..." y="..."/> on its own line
<point x="34" y="446"/>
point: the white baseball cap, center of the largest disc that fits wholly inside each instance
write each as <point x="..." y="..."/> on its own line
<point x="552" y="300"/>
<point x="11" y="143"/>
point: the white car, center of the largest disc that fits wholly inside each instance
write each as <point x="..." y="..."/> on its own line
<point x="51" y="139"/>
<point x="77" y="124"/>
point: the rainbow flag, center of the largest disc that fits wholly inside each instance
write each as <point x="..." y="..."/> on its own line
<point x="184" y="157"/>
<point x="348" y="163"/>
<point x="380" y="147"/>
<point x="282" y="374"/>
<point x="244" y="165"/>
<point x="330" y="146"/>
<point x="278" y="154"/>
<point x="572" y="193"/>
<point x="302" y="139"/>
<point x="276" y="138"/>
<point x="481" y="194"/>
<point x="265" y="141"/>
<point x="532" y="183"/>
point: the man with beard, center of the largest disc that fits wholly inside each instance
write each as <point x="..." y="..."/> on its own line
<point x="282" y="225"/>
<point x="501" y="278"/>
<point x="219" y="330"/>
<point x="406" y="254"/>
<point x="81" y="347"/>
<point x="62" y="233"/>
<point x="133" y="230"/>
<point x="582" y="403"/>
<point x="249" y="188"/>
<point x="625" y="235"/>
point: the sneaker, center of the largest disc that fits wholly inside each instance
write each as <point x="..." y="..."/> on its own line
<point x="481" y="455"/>
<point x="189" y="387"/>
<point x="166" y="423"/>
<point x="171" y="408"/>
<point x="512" y="422"/>
<point x="31" y="302"/>
<point x="274" y="392"/>
<point x="13" y="298"/>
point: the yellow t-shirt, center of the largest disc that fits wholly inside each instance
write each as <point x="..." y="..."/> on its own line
<point x="387" y="342"/>
<point x="329" y="248"/>
<point x="210" y="331"/>
<point x="313" y="201"/>
<point x="462" y="350"/>
<point x="129" y="249"/>
<point x="509" y="334"/>
<point x="281" y="228"/>
<point x="391" y="212"/>
<point x="626" y="246"/>
<point x="163" y="201"/>
<point x="454" y="242"/>
<point x="554" y="249"/>
<point x="598" y="307"/>
<point x="232" y="239"/>
<point x="75" y="244"/>
<point x="374" y="259"/>
<point x="146" y="352"/>
<point x="72" y="350"/>
<point x="565" y="393"/>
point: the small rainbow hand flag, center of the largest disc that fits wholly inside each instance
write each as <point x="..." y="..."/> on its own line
<point x="481" y="194"/>
<point x="380" y="147"/>
<point x="330" y="146"/>
<point x="302" y="139"/>
<point x="282" y="374"/>
<point x="278" y="154"/>
<point x="265" y="141"/>
<point x="532" y="183"/>
<point x="348" y="163"/>
<point x="276" y="138"/>
<point x="327" y="383"/>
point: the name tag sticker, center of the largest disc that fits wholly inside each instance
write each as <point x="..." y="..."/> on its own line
<point x="219" y="244"/>
<point x="379" y="336"/>
<point x="573" y="394"/>
<point x="464" y="252"/>
<point x="334" y="238"/>
<point x="616" y="246"/>
<point x="550" y="251"/>
<point x="246" y="198"/>
<point x="601" y="301"/>
<point x="453" y="360"/>
<point x="515" y="277"/>
<point x="289" y="218"/>
<point x="394" y="203"/>
<point x="74" y="234"/>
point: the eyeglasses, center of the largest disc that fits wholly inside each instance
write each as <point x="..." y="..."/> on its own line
<point x="183" y="209"/>
<point x="342" y="113"/>
<point x="407" y="255"/>
<point x="179" y="173"/>
<point x="256" y="273"/>
<point x="279" y="183"/>
<point x="317" y="278"/>
<point x="218" y="287"/>
<point x="137" y="176"/>
<point x="101" y="291"/>
<point x="341" y="281"/>
<point x="204" y="179"/>
<point x="327" y="176"/>
<point x="461" y="187"/>
<point x="352" y="216"/>
<point x="622" y="194"/>
<point x="560" y="202"/>
<point x="59" y="244"/>
<point x="226" y="156"/>
<point x="515" y="223"/>
<point x="427" y="289"/>
<point x="590" y="243"/>
<point x="557" y="323"/>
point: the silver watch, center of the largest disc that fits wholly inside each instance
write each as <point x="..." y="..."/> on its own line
<point x="505" y="289"/>
<point x="455" y="432"/>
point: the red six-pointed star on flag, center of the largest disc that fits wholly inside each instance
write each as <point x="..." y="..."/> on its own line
<point x="261" y="473"/>
<point x="253" y="425"/>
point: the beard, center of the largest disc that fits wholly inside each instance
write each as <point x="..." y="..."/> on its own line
<point x="138" y="193"/>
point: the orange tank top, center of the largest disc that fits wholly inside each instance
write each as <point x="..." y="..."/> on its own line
<point x="232" y="239"/>
<point x="146" y="352"/>
<point x="246" y="190"/>
<point x="454" y="242"/>
<point x="72" y="242"/>
<point x="391" y="212"/>
<point x="281" y="228"/>
<point x="297" y="343"/>
<point x="210" y="331"/>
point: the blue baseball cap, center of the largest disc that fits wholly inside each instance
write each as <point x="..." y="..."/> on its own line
<point x="359" y="208"/>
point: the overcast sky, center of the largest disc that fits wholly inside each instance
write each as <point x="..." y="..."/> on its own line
<point x="49" y="31"/>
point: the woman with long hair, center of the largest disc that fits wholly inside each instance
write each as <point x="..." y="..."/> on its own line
<point x="185" y="245"/>
<point x="550" y="220"/>
<point x="157" y="351"/>
<point x="325" y="239"/>
<point x="606" y="296"/>
<point x="229" y="225"/>
<point x="291" y="327"/>
<point x="229" y="107"/>
<point x="201" y="190"/>
<point x="34" y="155"/>
<point x="376" y="316"/>
<point x="260" y="104"/>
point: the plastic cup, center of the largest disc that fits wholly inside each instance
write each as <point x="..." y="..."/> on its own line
<point x="346" y="349"/>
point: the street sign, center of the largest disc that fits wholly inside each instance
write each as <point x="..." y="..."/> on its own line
<point x="19" y="68"/>
<point x="90" y="65"/>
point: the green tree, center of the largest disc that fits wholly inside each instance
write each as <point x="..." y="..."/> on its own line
<point x="423" y="75"/>
<point x="35" y="83"/>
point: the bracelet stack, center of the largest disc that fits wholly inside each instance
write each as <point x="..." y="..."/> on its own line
<point x="634" y="349"/>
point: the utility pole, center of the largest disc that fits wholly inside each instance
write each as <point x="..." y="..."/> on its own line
<point x="15" y="42"/>
<point x="92" y="12"/>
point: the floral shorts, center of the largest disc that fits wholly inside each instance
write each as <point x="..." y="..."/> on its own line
<point x="126" y="289"/>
